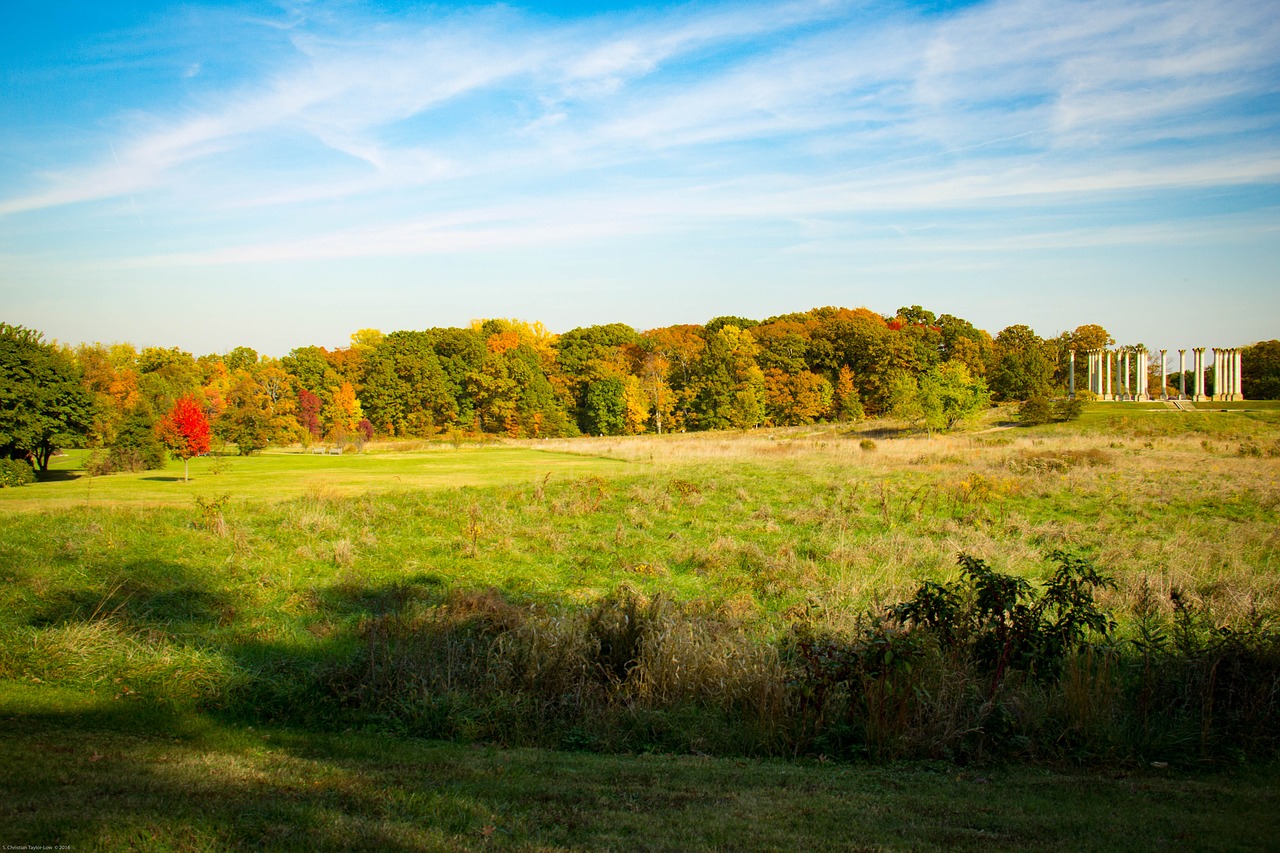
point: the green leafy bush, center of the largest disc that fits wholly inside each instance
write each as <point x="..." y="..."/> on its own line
<point x="1035" y="411"/>
<point x="15" y="472"/>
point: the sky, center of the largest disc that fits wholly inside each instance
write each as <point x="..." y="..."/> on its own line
<point x="277" y="175"/>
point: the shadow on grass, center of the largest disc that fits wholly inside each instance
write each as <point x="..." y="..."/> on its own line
<point x="58" y="475"/>
<point x="143" y="594"/>
<point x="141" y="777"/>
<point x="163" y="479"/>
<point x="881" y="432"/>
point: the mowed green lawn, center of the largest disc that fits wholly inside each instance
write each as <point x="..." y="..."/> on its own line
<point x="280" y="475"/>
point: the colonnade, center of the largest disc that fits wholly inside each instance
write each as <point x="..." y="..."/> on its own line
<point x="1227" y="374"/>
<point x="1122" y="374"/>
<point x="1119" y="374"/>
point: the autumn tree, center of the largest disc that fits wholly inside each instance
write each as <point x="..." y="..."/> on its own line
<point x="344" y="412"/>
<point x="965" y="343"/>
<point x="658" y="395"/>
<point x="679" y="349"/>
<point x="258" y="411"/>
<point x="241" y="358"/>
<point x="309" y="407"/>
<point x="1086" y="337"/>
<point x="846" y="404"/>
<point x="185" y="431"/>
<point x="792" y="399"/>
<point x="43" y="405"/>
<point x="113" y="385"/>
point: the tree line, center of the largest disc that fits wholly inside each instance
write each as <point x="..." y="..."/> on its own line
<point x="515" y="378"/>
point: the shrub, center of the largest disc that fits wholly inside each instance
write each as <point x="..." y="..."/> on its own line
<point x="136" y="447"/>
<point x="15" y="472"/>
<point x="1067" y="409"/>
<point x="867" y="444"/>
<point x="1035" y="411"/>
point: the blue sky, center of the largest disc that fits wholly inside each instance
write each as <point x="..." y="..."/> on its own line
<point x="276" y="175"/>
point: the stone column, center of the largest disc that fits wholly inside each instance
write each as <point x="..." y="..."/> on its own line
<point x="1217" y="375"/>
<point x="1071" y="377"/>
<point x="1182" y="374"/>
<point x="1143" y="361"/>
<point x="1239" y="375"/>
<point x="1199" y="371"/>
<point x="1106" y="394"/>
<point x="1164" y="376"/>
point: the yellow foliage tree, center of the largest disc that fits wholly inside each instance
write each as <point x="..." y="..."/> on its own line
<point x="344" y="413"/>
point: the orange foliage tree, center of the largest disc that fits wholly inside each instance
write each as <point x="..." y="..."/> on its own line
<point x="185" y="431"/>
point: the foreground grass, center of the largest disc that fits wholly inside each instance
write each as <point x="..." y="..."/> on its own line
<point x="109" y="775"/>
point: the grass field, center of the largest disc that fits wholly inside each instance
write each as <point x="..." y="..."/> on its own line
<point x="184" y="652"/>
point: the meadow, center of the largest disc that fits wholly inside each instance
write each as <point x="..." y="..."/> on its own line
<point x="562" y="644"/>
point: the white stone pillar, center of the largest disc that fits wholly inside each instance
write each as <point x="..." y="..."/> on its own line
<point x="1106" y="394"/>
<point x="1071" y="377"/>
<point x="1164" y="376"/>
<point x="1217" y="376"/>
<point x="1182" y="374"/>
<point x="1239" y="375"/>
<point x="1143" y="361"/>
<point x="1199" y="377"/>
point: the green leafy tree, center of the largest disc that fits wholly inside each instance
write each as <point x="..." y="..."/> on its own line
<point x="588" y="356"/>
<point x="728" y="385"/>
<point x="1023" y="365"/>
<point x="939" y="398"/>
<point x="241" y="358"/>
<point x="605" y="407"/>
<point x="1035" y="411"/>
<point x="404" y="389"/>
<point x="136" y="446"/>
<point x="1260" y="365"/>
<point x="460" y="354"/>
<point x="963" y="395"/>
<point x="964" y="342"/>
<point x="43" y="403"/>
<point x="166" y="375"/>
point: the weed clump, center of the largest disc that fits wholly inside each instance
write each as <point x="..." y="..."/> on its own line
<point x="1057" y="461"/>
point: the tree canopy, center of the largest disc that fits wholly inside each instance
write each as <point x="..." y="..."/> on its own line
<point x="516" y="378"/>
<point x="44" y="404"/>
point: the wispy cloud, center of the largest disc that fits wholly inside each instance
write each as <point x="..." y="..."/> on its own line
<point x="449" y="131"/>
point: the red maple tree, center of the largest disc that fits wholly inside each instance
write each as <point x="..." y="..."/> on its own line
<point x="185" y="431"/>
